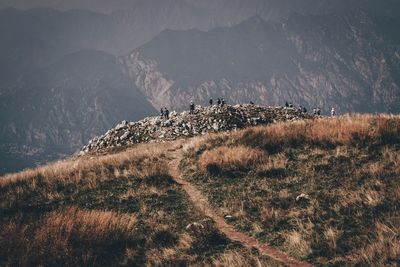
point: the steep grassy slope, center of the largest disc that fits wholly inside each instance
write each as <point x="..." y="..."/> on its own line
<point x="113" y="210"/>
<point x="347" y="168"/>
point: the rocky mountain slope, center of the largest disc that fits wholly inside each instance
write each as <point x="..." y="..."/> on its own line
<point x="348" y="60"/>
<point x="203" y="120"/>
<point x="63" y="106"/>
<point x="36" y="37"/>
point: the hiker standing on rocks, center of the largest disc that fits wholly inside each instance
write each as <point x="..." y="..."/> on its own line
<point x="286" y="104"/>
<point x="219" y="102"/>
<point x="162" y="112"/>
<point x="210" y="102"/>
<point x="333" y="112"/>
<point x="166" y="112"/>
<point x="191" y="107"/>
<point x="318" y="111"/>
<point x="222" y="102"/>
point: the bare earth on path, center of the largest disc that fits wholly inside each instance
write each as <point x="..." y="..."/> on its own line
<point x="202" y="204"/>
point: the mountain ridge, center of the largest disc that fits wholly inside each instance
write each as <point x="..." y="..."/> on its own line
<point x="258" y="60"/>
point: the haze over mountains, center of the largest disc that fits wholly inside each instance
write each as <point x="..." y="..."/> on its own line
<point x="349" y="61"/>
<point x="269" y="9"/>
<point x="51" y="112"/>
<point x="66" y="76"/>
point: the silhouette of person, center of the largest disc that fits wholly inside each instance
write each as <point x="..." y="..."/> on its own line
<point x="191" y="108"/>
<point x="166" y="113"/>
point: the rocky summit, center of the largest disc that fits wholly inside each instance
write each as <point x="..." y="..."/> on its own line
<point x="203" y="120"/>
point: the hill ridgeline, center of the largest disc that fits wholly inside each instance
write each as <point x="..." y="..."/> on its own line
<point x="203" y="120"/>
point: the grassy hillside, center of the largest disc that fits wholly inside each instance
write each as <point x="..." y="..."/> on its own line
<point x="119" y="209"/>
<point x="348" y="169"/>
<point x="123" y="207"/>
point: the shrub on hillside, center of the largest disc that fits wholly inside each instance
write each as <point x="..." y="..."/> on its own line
<point x="229" y="159"/>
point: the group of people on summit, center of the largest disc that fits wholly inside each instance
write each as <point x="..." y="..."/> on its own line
<point x="164" y="113"/>
<point x="316" y="110"/>
<point x="221" y="102"/>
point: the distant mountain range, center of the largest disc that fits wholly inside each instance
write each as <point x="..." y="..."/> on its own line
<point x="52" y="112"/>
<point x="348" y="61"/>
<point x="66" y="76"/>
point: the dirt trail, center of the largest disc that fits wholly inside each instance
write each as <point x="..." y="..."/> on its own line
<point x="202" y="204"/>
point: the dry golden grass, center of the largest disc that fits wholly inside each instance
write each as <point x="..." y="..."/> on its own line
<point x="268" y="213"/>
<point x="396" y="192"/>
<point x="141" y="162"/>
<point x="332" y="235"/>
<point x="76" y="169"/>
<point x="383" y="249"/>
<point x="228" y="159"/>
<point x="234" y="258"/>
<point x="348" y="166"/>
<point x="231" y="259"/>
<point x="93" y="225"/>
<point x="55" y="234"/>
<point x="339" y="130"/>
<point x="297" y="244"/>
<point x="392" y="158"/>
<point x="185" y="241"/>
<point x="275" y="162"/>
<point x="371" y="194"/>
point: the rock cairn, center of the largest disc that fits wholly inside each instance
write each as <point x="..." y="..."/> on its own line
<point x="204" y="120"/>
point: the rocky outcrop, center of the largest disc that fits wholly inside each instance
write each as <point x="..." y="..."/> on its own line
<point x="203" y="120"/>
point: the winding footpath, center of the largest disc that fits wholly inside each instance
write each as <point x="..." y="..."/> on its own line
<point x="202" y="204"/>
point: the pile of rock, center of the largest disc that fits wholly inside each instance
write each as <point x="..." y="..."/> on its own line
<point x="204" y="120"/>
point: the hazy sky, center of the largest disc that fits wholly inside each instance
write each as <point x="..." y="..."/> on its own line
<point x="95" y="5"/>
<point x="269" y="6"/>
<point x="105" y="6"/>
